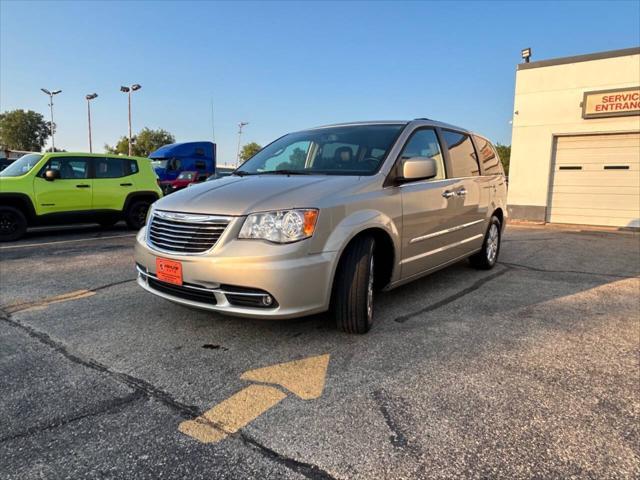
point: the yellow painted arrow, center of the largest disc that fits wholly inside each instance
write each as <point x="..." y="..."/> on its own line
<point x="304" y="378"/>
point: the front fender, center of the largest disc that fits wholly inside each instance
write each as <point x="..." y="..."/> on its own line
<point x="354" y="224"/>
<point x="358" y="222"/>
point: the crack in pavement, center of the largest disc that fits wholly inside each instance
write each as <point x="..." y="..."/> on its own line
<point x="146" y="389"/>
<point x="452" y="298"/>
<point x="309" y="470"/>
<point x="65" y="297"/>
<point x="109" y="406"/>
<point x="133" y="382"/>
<point x="579" y="272"/>
<point x="397" y="438"/>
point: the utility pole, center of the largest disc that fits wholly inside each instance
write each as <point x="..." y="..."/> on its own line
<point x="90" y="97"/>
<point x="51" y="94"/>
<point x="240" y="125"/>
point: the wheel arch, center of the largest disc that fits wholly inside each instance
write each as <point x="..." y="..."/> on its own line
<point x="387" y="251"/>
<point x="20" y="201"/>
<point x="141" y="195"/>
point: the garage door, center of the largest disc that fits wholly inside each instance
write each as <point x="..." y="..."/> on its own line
<point x="596" y="180"/>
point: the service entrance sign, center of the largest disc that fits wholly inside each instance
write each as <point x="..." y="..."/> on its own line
<point x="611" y="103"/>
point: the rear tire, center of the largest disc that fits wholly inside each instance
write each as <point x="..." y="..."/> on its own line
<point x="13" y="224"/>
<point x="353" y="287"/>
<point x="136" y="214"/>
<point x="486" y="258"/>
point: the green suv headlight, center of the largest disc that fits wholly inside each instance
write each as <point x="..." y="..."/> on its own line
<point x="281" y="226"/>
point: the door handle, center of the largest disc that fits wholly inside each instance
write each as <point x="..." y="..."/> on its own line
<point x="82" y="186"/>
<point x="126" y="184"/>
<point x="462" y="192"/>
<point x="448" y="194"/>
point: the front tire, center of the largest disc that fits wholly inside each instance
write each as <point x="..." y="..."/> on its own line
<point x="486" y="258"/>
<point x="353" y="287"/>
<point x="136" y="214"/>
<point x="13" y="224"/>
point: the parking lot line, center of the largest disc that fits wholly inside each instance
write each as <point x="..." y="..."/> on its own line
<point x="9" y="247"/>
<point x="65" y="297"/>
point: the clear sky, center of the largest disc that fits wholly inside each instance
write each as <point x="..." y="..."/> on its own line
<point x="286" y="66"/>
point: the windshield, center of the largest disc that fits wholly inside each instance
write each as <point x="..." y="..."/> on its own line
<point x="186" y="176"/>
<point x="159" y="163"/>
<point x="21" y="166"/>
<point x="348" y="150"/>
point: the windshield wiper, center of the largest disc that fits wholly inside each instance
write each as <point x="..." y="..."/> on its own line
<point x="287" y="172"/>
<point x="241" y="173"/>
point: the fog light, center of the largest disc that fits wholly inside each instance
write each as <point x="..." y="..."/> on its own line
<point x="267" y="300"/>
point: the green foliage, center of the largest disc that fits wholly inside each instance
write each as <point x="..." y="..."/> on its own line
<point x="504" y="151"/>
<point x="24" y="130"/>
<point x="249" y="150"/>
<point x="143" y="143"/>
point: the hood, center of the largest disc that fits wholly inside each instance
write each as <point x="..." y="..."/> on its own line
<point x="255" y="193"/>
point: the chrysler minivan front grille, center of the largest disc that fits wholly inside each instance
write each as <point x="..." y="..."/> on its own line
<point x="185" y="233"/>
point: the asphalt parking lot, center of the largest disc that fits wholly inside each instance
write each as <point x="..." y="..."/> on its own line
<point x="528" y="370"/>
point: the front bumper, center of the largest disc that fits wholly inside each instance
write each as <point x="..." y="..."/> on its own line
<point x="299" y="282"/>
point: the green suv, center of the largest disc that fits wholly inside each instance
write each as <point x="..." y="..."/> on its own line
<point x="57" y="188"/>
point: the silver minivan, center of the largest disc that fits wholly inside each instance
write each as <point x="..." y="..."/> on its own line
<point x="323" y="218"/>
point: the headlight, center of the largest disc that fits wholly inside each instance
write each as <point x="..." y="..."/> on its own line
<point x="149" y="214"/>
<point x="282" y="226"/>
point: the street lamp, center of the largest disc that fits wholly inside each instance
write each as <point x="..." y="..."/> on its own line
<point x="128" y="91"/>
<point x="90" y="97"/>
<point x="240" y="125"/>
<point x="51" y="94"/>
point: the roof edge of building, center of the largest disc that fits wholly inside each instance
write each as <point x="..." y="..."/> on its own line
<point x="580" y="58"/>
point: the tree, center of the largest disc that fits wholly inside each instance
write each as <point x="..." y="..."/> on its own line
<point x="504" y="151"/>
<point x="24" y="130"/>
<point x="249" y="150"/>
<point x="143" y="143"/>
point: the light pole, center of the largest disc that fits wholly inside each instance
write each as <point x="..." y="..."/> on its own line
<point x="240" y="125"/>
<point x="90" y="97"/>
<point x="128" y="91"/>
<point x="51" y="94"/>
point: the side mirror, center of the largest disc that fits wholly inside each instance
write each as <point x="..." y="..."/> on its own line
<point x="51" y="175"/>
<point x="419" y="168"/>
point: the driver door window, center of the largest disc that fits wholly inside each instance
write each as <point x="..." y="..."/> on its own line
<point x="424" y="143"/>
<point x="71" y="168"/>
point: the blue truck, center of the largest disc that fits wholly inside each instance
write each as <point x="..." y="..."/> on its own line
<point x="169" y="161"/>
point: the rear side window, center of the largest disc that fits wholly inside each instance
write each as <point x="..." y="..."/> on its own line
<point x="133" y="167"/>
<point x="489" y="158"/>
<point x="424" y="143"/>
<point x="462" y="154"/>
<point x="110" y="167"/>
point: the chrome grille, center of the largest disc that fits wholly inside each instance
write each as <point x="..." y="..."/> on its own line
<point x="185" y="232"/>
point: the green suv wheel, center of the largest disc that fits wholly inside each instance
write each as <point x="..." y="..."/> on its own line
<point x="13" y="224"/>
<point x="136" y="214"/>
